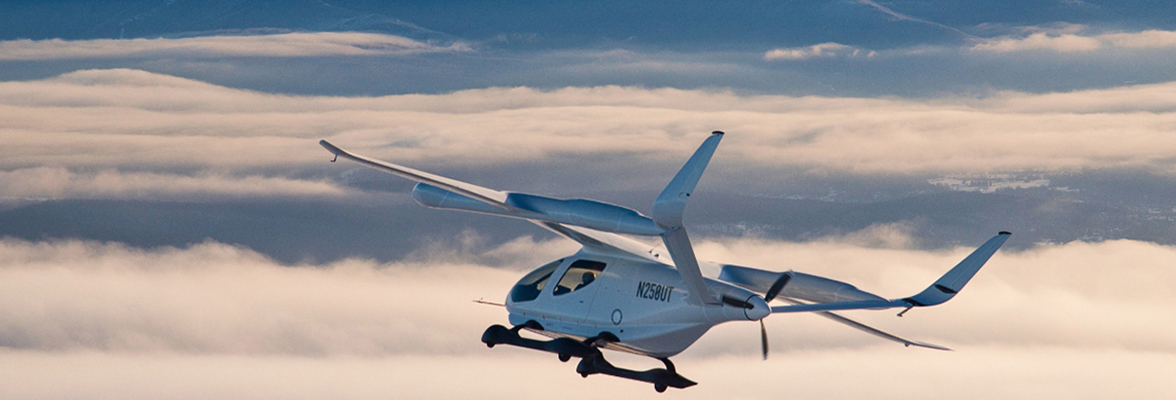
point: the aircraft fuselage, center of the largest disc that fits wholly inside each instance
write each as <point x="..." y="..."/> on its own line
<point x="641" y="302"/>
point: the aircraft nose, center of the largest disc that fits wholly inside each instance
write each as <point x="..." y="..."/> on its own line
<point x="759" y="308"/>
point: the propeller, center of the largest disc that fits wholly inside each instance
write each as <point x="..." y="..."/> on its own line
<point x="764" y="338"/>
<point x="746" y="304"/>
<point x="771" y="294"/>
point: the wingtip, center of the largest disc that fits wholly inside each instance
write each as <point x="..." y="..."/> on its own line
<point x="718" y="133"/>
<point x="330" y="147"/>
<point x="1006" y="233"/>
<point x="931" y="346"/>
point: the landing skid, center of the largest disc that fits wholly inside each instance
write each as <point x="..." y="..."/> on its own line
<point x="592" y="360"/>
<point x="565" y="347"/>
<point x="661" y="378"/>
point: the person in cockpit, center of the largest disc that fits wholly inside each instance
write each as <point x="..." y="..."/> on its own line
<point x="585" y="279"/>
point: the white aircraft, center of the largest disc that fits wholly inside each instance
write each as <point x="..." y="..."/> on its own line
<point x="620" y="294"/>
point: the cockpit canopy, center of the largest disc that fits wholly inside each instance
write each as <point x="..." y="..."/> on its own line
<point x="532" y="284"/>
<point x="580" y="274"/>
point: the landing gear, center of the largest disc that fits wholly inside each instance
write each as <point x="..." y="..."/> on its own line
<point x="592" y="360"/>
<point x="566" y="348"/>
<point x="669" y="365"/>
<point x="661" y="388"/>
<point x="661" y="378"/>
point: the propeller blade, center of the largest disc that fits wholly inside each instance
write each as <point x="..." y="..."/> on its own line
<point x="764" y="338"/>
<point x="777" y="286"/>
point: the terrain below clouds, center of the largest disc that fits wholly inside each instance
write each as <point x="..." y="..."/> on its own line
<point x="391" y="229"/>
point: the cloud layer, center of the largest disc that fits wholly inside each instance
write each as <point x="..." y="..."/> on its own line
<point x="309" y="44"/>
<point x="59" y="183"/>
<point x="89" y="320"/>
<point x="100" y="123"/>
<point x="1070" y="39"/>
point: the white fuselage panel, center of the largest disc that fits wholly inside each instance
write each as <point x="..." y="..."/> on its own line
<point x="642" y="303"/>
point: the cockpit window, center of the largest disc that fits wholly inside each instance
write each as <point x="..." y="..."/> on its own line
<point x="532" y="284"/>
<point x="580" y="274"/>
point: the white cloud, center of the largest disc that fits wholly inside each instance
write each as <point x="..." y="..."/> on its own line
<point x="276" y="45"/>
<point x="1146" y="39"/>
<point x="1070" y="39"/>
<point x="51" y="183"/>
<point x="876" y="373"/>
<point x="88" y="122"/>
<point x="822" y="50"/>
<point x="580" y="62"/>
<point x="89" y="320"/>
<point x="1040" y="41"/>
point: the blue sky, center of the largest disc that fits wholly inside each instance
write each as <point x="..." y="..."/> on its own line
<point x="920" y="48"/>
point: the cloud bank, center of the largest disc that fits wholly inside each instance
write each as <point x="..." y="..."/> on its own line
<point x="58" y="183"/>
<point x="114" y="124"/>
<point x="1070" y="39"/>
<point x="308" y="44"/>
<point x="128" y="117"/>
<point x="90" y="320"/>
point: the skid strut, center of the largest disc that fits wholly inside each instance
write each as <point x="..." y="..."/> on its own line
<point x="592" y="360"/>
<point x="565" y="347"/>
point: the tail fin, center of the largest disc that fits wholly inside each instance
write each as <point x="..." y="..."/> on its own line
<point x="954" y="280"/>
<point x="667" y="214"/>
<point x="668" y="208"/>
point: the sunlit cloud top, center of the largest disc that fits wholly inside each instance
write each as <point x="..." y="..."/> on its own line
<point x="276" y="45"/>
<point x="126" y="118"/>
<point x="817" y="51"/>
<point x="1072" y="39"/>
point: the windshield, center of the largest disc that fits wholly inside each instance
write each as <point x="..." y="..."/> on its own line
<point x="532" y="284"/>
<point x="580" y="274"/>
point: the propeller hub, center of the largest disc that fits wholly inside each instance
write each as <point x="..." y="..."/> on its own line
<point x="759" y="308"/>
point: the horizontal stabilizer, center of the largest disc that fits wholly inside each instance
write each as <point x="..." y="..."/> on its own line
<point x="941" y="291"/>
<point x="794" y="284"/>
<point x="840" y="305"/>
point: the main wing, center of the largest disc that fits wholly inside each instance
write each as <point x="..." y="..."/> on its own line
<point x="574" y="219"/>
<point x="594" y="224"/>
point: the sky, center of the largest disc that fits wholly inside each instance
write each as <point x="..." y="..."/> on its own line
<point x="169" y="227"/>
